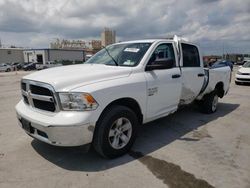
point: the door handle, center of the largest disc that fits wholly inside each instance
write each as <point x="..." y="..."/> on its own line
<point x="176" y="76"/>
<point x="201" y="75"/>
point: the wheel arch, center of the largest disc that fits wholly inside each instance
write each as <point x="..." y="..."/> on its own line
<point x="219" y="88"/>
<point x="128" y="102"/>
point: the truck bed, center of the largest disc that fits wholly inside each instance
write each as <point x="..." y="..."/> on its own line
<point x="213" y="77"/>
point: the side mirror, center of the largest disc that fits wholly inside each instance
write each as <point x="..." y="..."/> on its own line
<point x="160" y="64"/>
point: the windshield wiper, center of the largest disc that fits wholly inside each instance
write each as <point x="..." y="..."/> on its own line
<point x="110" y="56"/>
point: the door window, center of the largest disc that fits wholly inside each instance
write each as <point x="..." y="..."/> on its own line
<point x="191" y="56"/>
<point x="164" y="53"/>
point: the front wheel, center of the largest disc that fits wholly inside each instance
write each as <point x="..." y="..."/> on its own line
<point x="115" y="131"/>
<point x="209" y="103"/>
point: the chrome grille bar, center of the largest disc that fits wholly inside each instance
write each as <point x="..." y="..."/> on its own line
<point x="42" y="97"/>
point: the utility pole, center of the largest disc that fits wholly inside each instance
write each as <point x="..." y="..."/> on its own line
<point x="223" y="48"/>
<point x="0" y="43"/>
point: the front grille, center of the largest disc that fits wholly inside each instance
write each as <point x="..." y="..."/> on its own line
<point x="40" y="90"/>
<point x="244" y="79"/>
<point x="44" y="105"/>
<point x="39" y="95"/>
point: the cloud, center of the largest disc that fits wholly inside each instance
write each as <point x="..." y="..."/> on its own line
<point x="207" y="1"/>
<point x="36" y="23"/>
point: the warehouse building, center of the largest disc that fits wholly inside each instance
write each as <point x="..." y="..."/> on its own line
<point x="11" y="55"/>
<point x="47" y="54"/>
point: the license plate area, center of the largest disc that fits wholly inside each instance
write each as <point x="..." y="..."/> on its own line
<point x="26" y="125"/>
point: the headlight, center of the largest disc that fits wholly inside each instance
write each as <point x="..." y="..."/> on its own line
<point x="238" y="72"/>
<point x="77" y="101"/>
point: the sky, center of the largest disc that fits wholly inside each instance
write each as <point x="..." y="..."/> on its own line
<point x="217" y="26"/>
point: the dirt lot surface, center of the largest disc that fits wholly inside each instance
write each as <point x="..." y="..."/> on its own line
<point x="186" y="149"/>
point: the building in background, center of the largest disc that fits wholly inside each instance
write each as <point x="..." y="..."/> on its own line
<point x="236" y="57"/>
<point x="68" y="44"/>
<point x="11" y="55"/>
<point x="108" y="36"/>
<point x="95" y="44"/>
<point x="44" y="55"/>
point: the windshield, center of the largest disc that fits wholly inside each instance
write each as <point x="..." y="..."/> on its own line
<point x="247" y="64"/>
<point x="128" y="54"/>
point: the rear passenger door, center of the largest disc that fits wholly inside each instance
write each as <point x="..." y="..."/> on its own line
<point x="192" y="73"/>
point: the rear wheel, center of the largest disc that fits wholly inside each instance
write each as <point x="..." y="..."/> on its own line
<point x="209" y="103"/>
<point x="115" y="132"/>
<point x="8" y="70"/>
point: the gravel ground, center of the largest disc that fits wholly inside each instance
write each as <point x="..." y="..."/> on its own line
<point x="186" y="149"/>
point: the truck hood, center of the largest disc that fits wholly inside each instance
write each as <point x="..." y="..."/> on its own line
<point x="66" y="78"/>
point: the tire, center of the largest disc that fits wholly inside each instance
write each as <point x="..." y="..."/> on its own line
<point x="209" y="103"/>
<point x="8" y="70"/>
<point x="109" y="140"/>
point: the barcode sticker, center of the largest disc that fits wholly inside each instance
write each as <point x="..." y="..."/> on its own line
<point x="135" y="50"/>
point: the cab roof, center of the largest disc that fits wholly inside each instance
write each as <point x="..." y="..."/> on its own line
<point x="145" y="41"/>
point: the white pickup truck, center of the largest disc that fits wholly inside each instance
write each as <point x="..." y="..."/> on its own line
<point x="120" y="88"/>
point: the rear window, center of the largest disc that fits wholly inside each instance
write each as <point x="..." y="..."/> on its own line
<point x="191" y="56"/>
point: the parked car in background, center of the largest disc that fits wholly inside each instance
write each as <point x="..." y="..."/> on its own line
<point x="48" y="64"/>
<point x="242" y="62"/>
<point x="223" y="64"/>
<point x="29" y="66"/>
<point x="21" y="65"/>
<point x="14" y="64"/>
<point x="17" y="65"/>
<point x="243" y="74"/>
<point x="88" y="56"/>
<point x="5" y="67"/>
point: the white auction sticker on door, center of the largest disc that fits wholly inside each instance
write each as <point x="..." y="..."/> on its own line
<point x="135" y="50"/>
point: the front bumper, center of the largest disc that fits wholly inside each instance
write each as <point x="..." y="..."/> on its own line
<point x="242" y="78"/>
<point x="62" y="128"/>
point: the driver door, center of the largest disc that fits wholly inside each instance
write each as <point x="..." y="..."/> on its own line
<point x="163" y="85"/>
